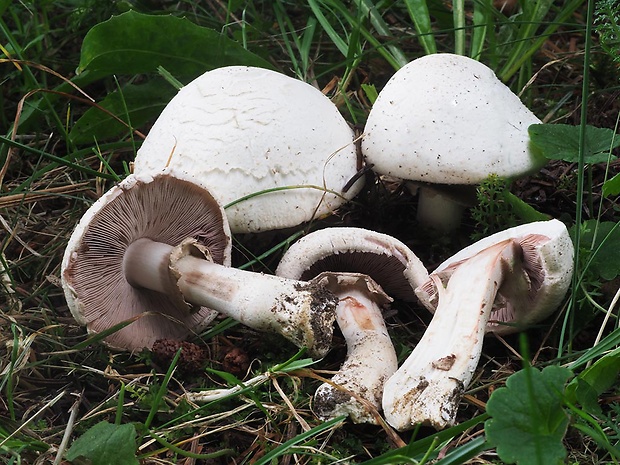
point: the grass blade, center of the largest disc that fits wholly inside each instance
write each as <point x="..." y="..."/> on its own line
<point x="483" y="23"/>
<point x="421" y="18"/>
<point x="284" y="447"/>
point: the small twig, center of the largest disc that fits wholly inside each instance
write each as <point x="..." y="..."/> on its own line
<point x="12" y="233"/>
<point x="304" y="424"/>
<point x="69" y="429"/>
<point x="34" y="196"/>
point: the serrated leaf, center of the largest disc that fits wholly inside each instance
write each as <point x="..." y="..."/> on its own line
<point x="528" y="422"/>
<point x="135" y="104"/>
<point x="561" y="142"/>
<point x="133" y="43"/>
<point x="104" y="444"/>
<point x="603" y="239"/>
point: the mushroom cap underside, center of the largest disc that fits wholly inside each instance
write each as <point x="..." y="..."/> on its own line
<point x="241" y="131"/>
<point x="164" y="209"/>
<point x="544" y="268"/>
<point x="384" y="258"/>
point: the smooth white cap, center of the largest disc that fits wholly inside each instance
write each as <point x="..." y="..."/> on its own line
<point x="448" y="119"/>
<point x="240" y="130"/>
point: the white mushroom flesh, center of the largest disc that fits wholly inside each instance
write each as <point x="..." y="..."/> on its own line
<point x="356" y="250"/>
<point x="95" y="287"/>
<point x="548" y="264"/>
<point x="357" y="388"/>
<point x="303" y="312"/>
<point x="428" y="387"/>
<point x="143" y="255"/>
<point x="527" y="270"/>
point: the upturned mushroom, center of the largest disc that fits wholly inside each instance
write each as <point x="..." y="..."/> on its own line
<point x="243" y="130"/>
<point x="155" y="250"/>
<point x="447" y="119"/>
<point x="337" y="257"/>
<point x="500" y="284"/>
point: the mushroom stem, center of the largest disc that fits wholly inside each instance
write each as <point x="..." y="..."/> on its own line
<point x="438" y="211"/>
<point x="428" y="387"/>
<point x="371" y="358"/>
<point x="303" y="312"/>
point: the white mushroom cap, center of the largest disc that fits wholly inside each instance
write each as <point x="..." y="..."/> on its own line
<point x="547" y="264"/>
<point x="448" y="119"/>
<point x="162" y="208"/>
<point x="240" y="130"/>
<point x="384" y="258"/>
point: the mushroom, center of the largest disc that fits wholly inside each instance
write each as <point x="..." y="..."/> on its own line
<point x="336" y="257"/>
<point x="447" y="119"/>
<point x="156" y="250"/>
<point x="243" y="130"/>
<point x="500" y="284"/>
<point x="384" y="258"/>
<point x="371" y="358"/>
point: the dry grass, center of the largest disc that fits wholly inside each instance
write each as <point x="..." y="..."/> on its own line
<point x="56" y="381"/>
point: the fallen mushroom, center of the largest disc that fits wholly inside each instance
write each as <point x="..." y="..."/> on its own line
<point x="384" y="258"/>
<point x="371" y="358"/>
<point x="153" y="248"/>
<point x="243" y="130"/>
<point x="500" y="284"/>
<point x="337" y="257"/>
<point x="447" y="119"/>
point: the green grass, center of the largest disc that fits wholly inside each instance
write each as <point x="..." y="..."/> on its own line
<point x="57" y="382"/>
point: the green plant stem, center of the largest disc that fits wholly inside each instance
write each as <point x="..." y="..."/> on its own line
<point x="119" y="407"/>
<point x="186" y="453"/>
<point x="569" y="316"/>
<point x="458" y="14"/>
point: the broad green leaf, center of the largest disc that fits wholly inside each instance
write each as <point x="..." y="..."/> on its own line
<point x="581" y="392"/>
<point x="528" y="422"/>
<point x="612" y="186"/>
<point x="133" y="43"/>
<point x="561" y="142"/>
<point x="138" y="102"/>
<point x="602" y="239"/>
<point x="593" y="381"/>
<point x="104" y="444"/>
